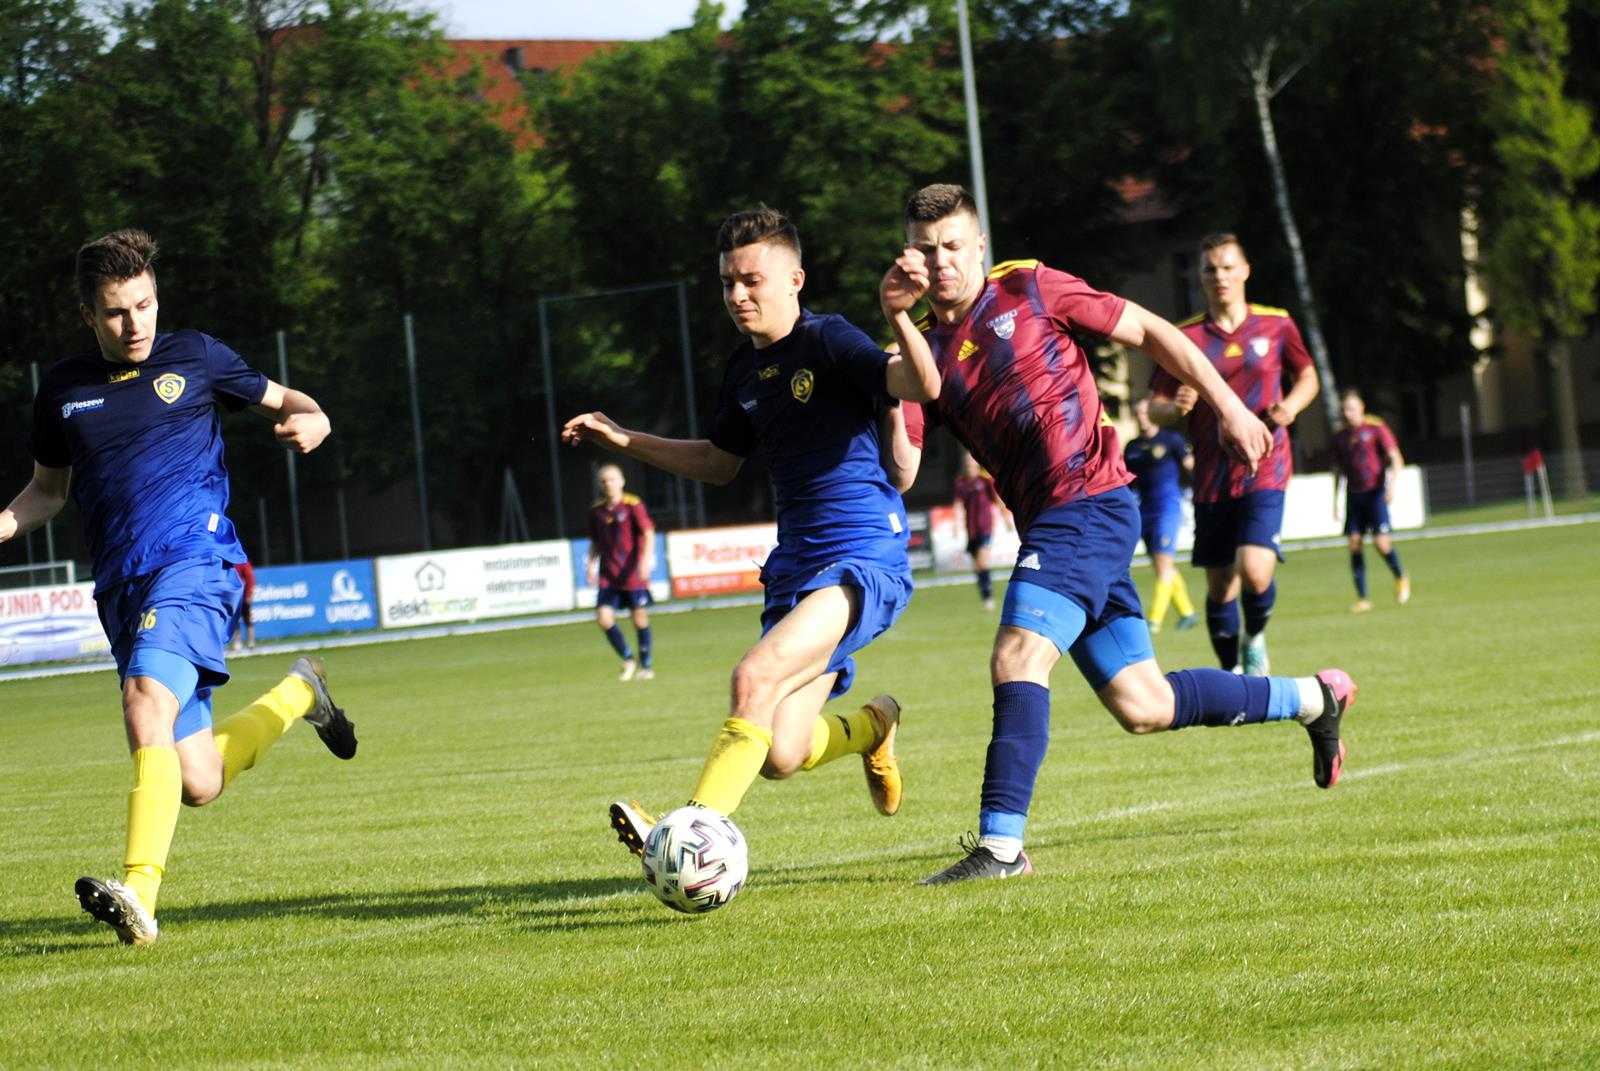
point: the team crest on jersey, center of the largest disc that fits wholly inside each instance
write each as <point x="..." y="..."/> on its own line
<point x="968" y="348"/>
<point x="169" y="387"/>
<point x="1158" y="452"/>
<point x="1260" y="346"/>
<point x="801" y="384"/>
<point x="767" y="372"/>
<point x="1004" y="325"/>
<point x="122" y="376"/>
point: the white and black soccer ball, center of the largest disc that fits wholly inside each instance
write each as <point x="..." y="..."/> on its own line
<point x="695" y="860"/>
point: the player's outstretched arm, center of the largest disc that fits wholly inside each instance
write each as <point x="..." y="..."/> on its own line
<point x="901" y="458"/>
<point x="301" y="423"/>
<point x="41" y="500"/>
<point x="1243" y="434"/>
<point x="697" y="459"/>
<point x="911" y="376"/>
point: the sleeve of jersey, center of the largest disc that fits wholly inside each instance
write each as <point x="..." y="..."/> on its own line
<point x="731" y="429"/>
<point x="1077" y="304"/>
<point x="916" y="423"/>
<point x="1386" y="437"/>
<point x="235" y="384"/>
<point x="45" y="441"/>
<point x="1164" y="382"/>
<point x="857" y="356"/>
<point x="641" y="518"/>
<point x="1296" y="358"/>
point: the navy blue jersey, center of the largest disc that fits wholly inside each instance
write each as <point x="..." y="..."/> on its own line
<point x="144" y="443"/>
<point x="809" y="402"/>
<point x="1154" y="463"/>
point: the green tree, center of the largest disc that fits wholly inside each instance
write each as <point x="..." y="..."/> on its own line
<point x="1544" y="245"/>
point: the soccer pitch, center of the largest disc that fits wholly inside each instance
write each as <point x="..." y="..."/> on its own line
<point x="455" y="897"/>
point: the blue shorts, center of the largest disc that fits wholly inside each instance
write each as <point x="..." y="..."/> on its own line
<point x="884" y="594"/>
<point x="978" y="542"/>
<point x="1221" y="528"/>
<point x="172" y="625"/>
<point x="1158" y="526"/>
<point x="1071" y="585"/>
<point x="624" y="598"/>
<point x="1366" y="511"/>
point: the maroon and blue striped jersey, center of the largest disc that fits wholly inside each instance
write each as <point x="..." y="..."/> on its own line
<point x="1253" y="358"/>
<point x="1018" y="388"/>
<point x="1362" y="453"/>
<point x="977" y="496"/>
<point x="618" y="534"/>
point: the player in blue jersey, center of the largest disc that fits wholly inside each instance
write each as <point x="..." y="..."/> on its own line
<point x="1154" y="459"/>
<point x="816" y="397"/>
<point x="133" y="428"/>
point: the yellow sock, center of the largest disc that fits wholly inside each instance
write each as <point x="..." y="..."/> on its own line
<point x="732" y="766"/>
<point x="1159" y="603"/>
<point x="152" y="817"/>
<point x="840" y="734"/>
<point x="1180" y="596"/>
<point x="244" y="737"/>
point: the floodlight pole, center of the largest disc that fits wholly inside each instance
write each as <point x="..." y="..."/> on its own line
<point x="416" y="432"/>
<point x="550" y="420"/>
<point x="294" y="483"/>
<point x="49" y="527"/>
<point x="969" y="82"/>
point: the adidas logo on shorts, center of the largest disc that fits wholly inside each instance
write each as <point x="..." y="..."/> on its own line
<point x="1029" y="562"/>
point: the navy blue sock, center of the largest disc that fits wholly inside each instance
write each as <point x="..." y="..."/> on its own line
<point x="985" y="584"/>
<point x="1222" y="618"/>
<point x="618" y="644"/>
<point x="1393" y="558"/>
<point x="1216" y="697"/>
<point x="1021" y="736"/>
<point x="1358" y="569"/>
<point x="644" y="646"/>
<point x="1258" y="607"/>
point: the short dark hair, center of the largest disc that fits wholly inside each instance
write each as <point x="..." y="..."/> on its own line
<point x="935" y="202"/>
<point x="124" y="254"/>
<point x="762" y="223"/>
<point x="1350" y="392"/>
<point x="1220" y="239"/>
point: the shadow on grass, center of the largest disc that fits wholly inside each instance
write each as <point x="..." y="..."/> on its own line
<point x="550" y="906"/>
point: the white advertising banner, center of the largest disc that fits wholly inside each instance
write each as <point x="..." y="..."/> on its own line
<point x="465" y="585"/>
<point x="713" y="561"/>
<point x="54" y="623"/>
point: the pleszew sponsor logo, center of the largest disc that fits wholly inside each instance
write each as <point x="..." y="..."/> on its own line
<point x="77" y="407"/>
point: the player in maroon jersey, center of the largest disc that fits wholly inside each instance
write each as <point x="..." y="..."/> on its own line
<point x="1016" y="387"/>
<point x="977" y="498"/>
<point x="1238" y="508"/>
<point x="1367" y="458"/>
<point x="622" y="553"/>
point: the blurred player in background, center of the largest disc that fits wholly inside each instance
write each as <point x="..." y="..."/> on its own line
<point x="1016" y="387"/>
<point x="1238" y="507"/>
<point x="133" y="428"/>
<point x="1155" y="459"/>
<point x="1367" y="458"/>
<point x="242" y="629"/>
<point x="816" y="397"/>
<point x="976" y="500"/>
<point x="622" y="555"/>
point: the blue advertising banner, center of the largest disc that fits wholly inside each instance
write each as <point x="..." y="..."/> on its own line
<point x="296" y="600"/>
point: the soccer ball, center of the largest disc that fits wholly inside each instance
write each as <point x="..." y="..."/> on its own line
<point x="695" y="860"/>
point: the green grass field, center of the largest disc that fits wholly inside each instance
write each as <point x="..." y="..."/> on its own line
<point x="454" y="897"/>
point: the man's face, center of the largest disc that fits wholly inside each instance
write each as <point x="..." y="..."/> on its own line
<point x="953" y="249"/>
<point x="1223" y="271"/>
<point x="124" y="318"/>
<point x="611" y="483"/>
<point x="1355" y="411"/>
<point x="761" y="289"/>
